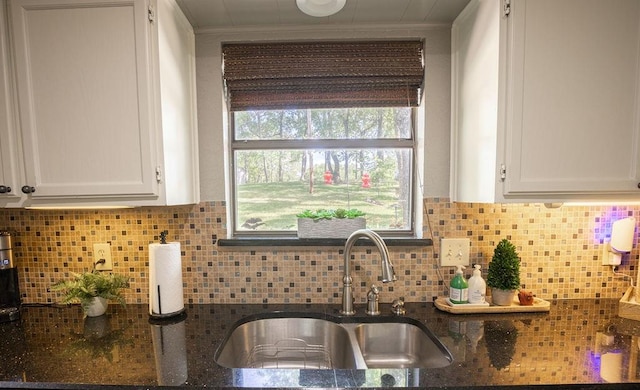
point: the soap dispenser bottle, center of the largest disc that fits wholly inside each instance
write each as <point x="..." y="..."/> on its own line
<point x="477" y="286"/>
<point x="458" y="288"/>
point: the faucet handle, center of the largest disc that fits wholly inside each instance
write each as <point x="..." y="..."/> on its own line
<point x="397" y="307"/>
<point x="372" y="301"/>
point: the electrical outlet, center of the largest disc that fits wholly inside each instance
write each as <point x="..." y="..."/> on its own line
<point x="609" y="256"/>
<point x="102" y="252"/>
<point x="454" y="251"/>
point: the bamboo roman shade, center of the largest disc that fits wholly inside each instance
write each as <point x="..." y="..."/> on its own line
<point x="288" y="75"/>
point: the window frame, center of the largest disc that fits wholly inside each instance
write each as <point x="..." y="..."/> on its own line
<point x="316" y="144"/>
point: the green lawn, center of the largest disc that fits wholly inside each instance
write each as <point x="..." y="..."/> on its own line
<point x="277" y="204"/>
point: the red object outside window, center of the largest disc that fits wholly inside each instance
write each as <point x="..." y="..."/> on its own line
<point x="366" y="181"/>
<point x="328" y="177"/>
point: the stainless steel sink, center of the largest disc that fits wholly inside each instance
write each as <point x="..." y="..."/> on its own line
<point x="399" y="345"/>
<point x="288" y="343"/>
<point x="298" y="342"/>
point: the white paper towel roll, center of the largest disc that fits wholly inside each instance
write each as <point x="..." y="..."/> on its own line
<point x="165" y="280"/>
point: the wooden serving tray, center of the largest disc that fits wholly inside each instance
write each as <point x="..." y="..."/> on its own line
<point x="629" y="307"/>
<point x="539" y="305"/>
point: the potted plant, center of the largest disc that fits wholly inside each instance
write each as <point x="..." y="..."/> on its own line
<point x="504" y="273"/>
<point x="324" y="223"/>
<point x="92" y="290"/>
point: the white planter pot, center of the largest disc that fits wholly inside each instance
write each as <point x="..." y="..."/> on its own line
<point x="502" y="297"/>
<point x="97" y="308"/>
<point x="329" y="228"/>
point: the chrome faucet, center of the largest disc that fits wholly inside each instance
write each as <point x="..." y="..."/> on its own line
<point x="388" y="275"/>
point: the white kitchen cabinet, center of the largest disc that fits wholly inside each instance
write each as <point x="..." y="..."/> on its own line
<point x="106" y="94"/>
<point x="9" y="141"/>
<point x="546" y="101"/>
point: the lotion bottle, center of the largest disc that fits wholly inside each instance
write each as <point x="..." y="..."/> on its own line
<point x="477" y="286"/>
<point x="458" y="288"/>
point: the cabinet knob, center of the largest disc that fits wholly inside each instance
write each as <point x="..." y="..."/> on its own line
<point x="28" y="189"/>
<point x="4" y="189"/>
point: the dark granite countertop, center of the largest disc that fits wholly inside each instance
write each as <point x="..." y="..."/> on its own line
<point x="578" y="344"/>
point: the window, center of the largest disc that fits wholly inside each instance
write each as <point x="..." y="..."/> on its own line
<point x="317" y="136"/>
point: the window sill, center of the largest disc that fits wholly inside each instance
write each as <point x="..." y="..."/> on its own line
<point x="319" y="242"/>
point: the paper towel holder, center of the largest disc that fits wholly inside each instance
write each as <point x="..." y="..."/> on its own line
<point x="622" y="233"/>
<point x="171" y="319"/>
<point x="163" y="236"/>
<point x="158" y="289"/>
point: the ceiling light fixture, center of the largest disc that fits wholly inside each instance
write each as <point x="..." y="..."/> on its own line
<point x="320" y="8"/>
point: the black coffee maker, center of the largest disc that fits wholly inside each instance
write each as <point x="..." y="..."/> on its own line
<point x="9" y="289"/>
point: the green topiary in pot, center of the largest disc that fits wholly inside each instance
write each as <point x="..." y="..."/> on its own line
<point x="503" y="276"/>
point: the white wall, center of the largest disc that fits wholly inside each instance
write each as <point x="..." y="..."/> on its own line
<point x="437" y="95"/>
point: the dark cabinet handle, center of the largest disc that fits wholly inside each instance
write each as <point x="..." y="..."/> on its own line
<point x="638" y="185"/>
<point x="4" y="189"/>
<point x="28" y="189"/>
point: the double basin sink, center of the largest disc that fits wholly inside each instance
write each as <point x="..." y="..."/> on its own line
<point x="319" y="341"/>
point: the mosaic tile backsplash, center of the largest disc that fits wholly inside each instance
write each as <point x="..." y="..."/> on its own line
<point x="560" y="251"/>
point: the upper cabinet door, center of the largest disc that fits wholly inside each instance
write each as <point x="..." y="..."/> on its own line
<point x="546" y="101"/>
<point x="82" y="71"/>
<point x="9" y="145"/>
<point x="572" y="117"/>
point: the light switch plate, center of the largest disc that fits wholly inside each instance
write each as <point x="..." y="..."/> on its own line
<point x="454" y="251"/>
<point x="102" y="251"/>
